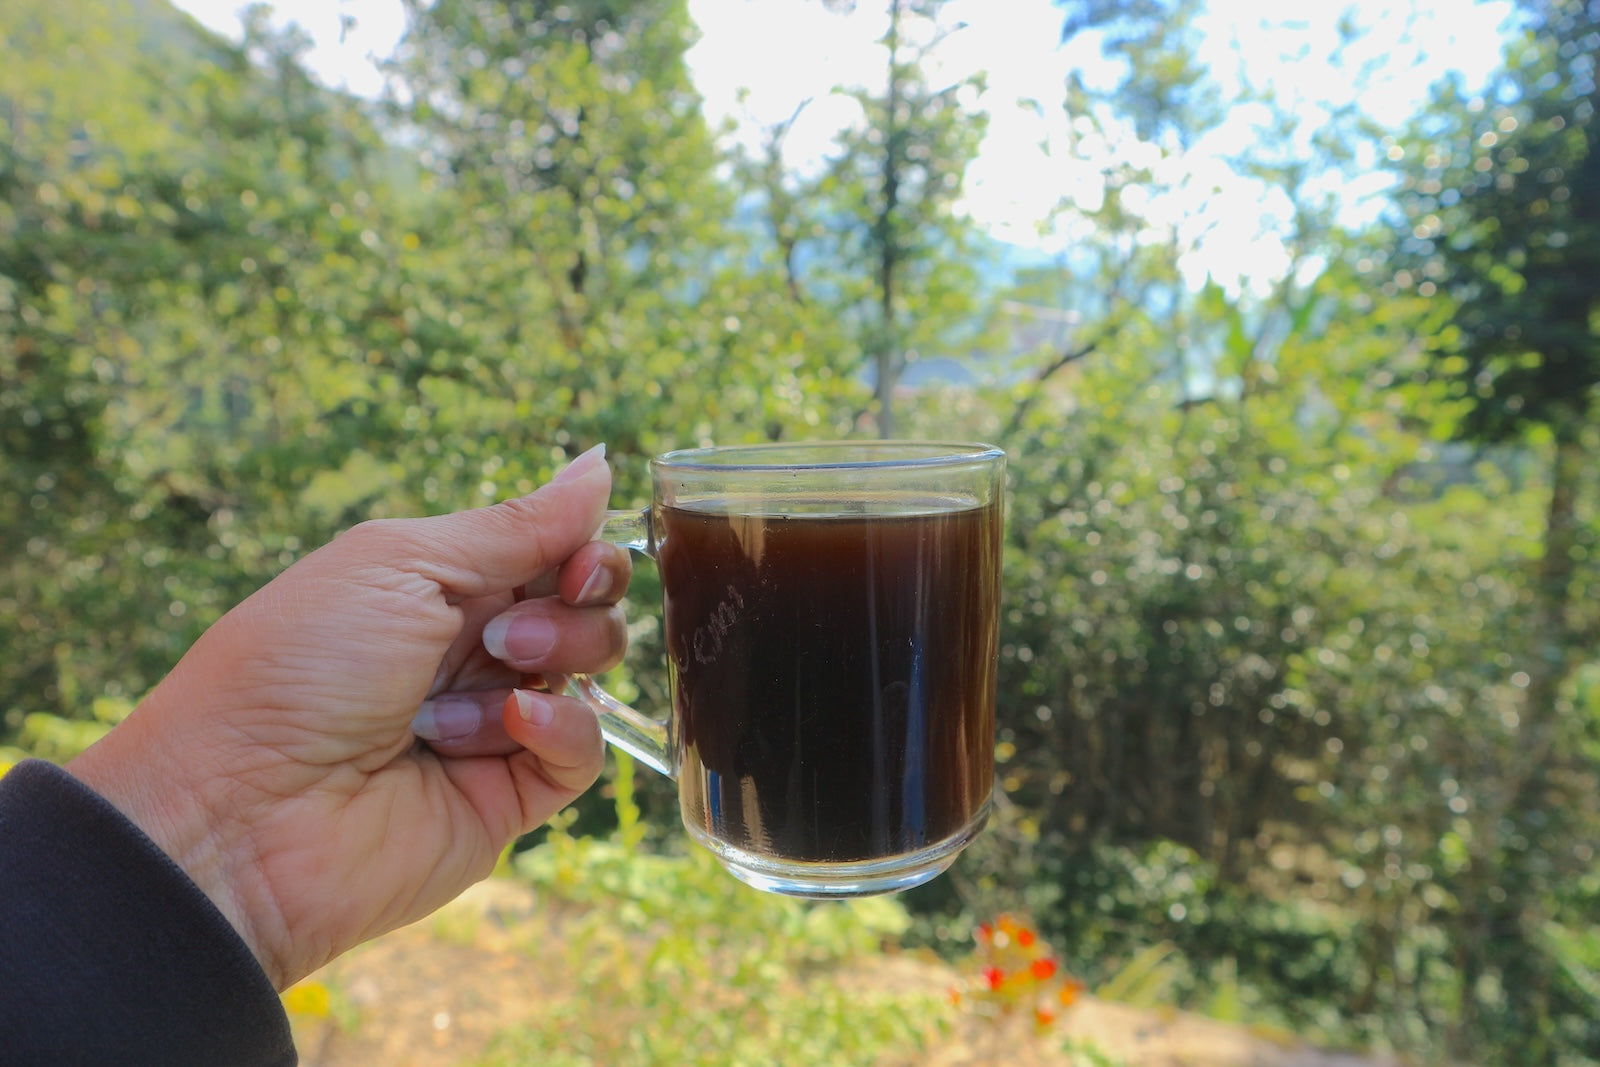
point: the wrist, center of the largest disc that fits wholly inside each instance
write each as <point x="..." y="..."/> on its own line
<point x="156" y="797"/>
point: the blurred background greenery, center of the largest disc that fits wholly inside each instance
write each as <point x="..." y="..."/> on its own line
<point x="1299" y="668"/>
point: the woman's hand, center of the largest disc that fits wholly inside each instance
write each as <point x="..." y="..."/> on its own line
<point x="278" y="763"/>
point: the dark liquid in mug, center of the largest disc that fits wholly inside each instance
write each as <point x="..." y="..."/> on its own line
<point x="834" y="674"/>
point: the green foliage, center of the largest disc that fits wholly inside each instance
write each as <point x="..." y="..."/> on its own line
<point x="1078" y="1053"/>
<point x="153" y="268"/>
<point x="677" y="962"/>
<point x="1501" y="194"/>
<point x="1297" y="673"/>
<point x="874" y="244"/>
<point x="59" y="739"/>
<point x="1146" y="980"/>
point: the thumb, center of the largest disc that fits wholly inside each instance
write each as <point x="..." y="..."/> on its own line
<point x="505" y="546"/>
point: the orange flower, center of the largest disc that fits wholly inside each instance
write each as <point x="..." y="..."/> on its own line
<point x="1017" y="972"/>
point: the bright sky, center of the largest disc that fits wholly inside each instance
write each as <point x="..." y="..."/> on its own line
<point x="782" y="52"/>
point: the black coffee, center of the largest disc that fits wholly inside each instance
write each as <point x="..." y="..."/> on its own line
<point x="834" y="674"/>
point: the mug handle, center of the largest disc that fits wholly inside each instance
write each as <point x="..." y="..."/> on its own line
<point x="645" y="739"/>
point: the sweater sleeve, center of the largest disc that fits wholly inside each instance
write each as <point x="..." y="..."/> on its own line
<point x="108" y="952"/>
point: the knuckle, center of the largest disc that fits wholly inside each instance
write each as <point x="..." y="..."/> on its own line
<point x="375" y="531"/>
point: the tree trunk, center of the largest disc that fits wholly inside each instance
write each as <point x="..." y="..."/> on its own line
<point x="1506" y="865"/>
<point x="888" y="239"/>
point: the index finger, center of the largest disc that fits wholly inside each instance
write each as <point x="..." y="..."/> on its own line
<point x="597" y="573"/>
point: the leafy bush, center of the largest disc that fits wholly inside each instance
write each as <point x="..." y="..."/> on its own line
<point x="677" y="962"/>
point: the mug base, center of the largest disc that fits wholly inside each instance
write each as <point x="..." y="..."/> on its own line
<point x="840" y="881"/>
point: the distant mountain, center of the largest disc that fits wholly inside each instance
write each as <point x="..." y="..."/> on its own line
<point x="102" y="69"/>
<point x="166" y="31"/>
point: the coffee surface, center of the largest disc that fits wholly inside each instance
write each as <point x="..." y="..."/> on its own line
<point x="833" y="673"/>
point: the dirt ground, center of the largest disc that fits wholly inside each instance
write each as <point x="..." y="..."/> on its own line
<point x="436" y="993"/>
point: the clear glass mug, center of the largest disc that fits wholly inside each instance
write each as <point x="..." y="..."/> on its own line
<point x="831" y="616"/>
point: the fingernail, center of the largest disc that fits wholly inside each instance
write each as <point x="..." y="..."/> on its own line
<point x="446" y="718"/>
<point x="519" y="637"/>
<point x="595" y="589"/>
<point x="582" y="465"/>
<point x="532" y="708"/>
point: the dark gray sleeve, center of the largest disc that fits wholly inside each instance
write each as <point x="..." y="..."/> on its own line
<point x="109" y="954"/>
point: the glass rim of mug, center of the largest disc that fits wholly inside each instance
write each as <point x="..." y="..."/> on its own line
<point x="857" y="455"/>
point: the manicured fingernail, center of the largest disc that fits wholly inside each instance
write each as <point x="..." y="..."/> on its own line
<point x="533" y="708"/>
<point x="519" y="637"/>
<point x="595" y="589"/>
<point x="446" y="718"/>
<point x="582" y="465"/>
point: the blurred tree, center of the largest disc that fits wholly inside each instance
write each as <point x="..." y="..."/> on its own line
<point x="1162" y="90"/>
<point x="873" y="241"/>
<point x="583" y="274"/>
<point x="1238" y="617"/>
<point x="1172" y="748"/>
<point x="900" y="176"/>
<point x="187" y="344"/>
<point x="84" y="125"/>
<point x="581" y="286"/>
<point x="1503" y="215"/>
